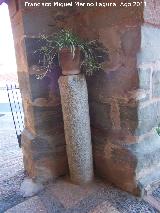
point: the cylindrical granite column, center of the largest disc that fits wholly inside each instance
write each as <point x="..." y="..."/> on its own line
<point x="74" y="99"/>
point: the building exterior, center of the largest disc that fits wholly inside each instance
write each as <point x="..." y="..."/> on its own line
<point x="124" y="99"/>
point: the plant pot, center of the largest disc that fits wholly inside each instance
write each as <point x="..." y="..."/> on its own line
<point x="69" y="65"/>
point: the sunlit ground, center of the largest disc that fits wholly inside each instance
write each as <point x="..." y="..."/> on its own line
<point x="8" y="69"/>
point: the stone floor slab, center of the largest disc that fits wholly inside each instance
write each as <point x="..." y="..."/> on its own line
<point x="105" y="207"/>
<point x="33" y="205"/>
<point x="155" y="202"/>
<point x="70" y="194"/>
<point x="11" y="163"/>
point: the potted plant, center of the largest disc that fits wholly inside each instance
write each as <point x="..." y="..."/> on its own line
<point x="74" y="54"/>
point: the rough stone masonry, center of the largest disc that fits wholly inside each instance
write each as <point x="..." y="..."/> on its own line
<point x="124" y="99"/>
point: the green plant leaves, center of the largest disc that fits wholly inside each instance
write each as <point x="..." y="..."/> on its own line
<point x="66" y="39"/>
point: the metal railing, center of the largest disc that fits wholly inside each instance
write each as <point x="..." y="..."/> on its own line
<point x="15" y="103"/>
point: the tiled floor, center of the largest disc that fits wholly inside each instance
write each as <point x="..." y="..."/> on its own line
<point x="104" y="207"/>
<point x="11" y="164"/>
<point x="33" y="205"/>
<point x="65" y="197"/>
<point x="96" y="197"/>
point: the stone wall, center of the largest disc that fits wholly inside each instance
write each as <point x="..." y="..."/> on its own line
<point x="114" y="100"/>
<point x="124" y="105"/>
<point x="123" y="99"/>
<point x="43" y="140"/>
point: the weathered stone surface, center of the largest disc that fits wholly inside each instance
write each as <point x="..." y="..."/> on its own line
<point x="129" y="118"/>
<point x="130" y="162"/>
<point x="114" y="84"/>
<point x="44" y="157"/>
<point x="156" y="84"/>
<point x="48" y="146"/>
<point x="74" y="98"/>
<point x="117" y="165"/>
<point x="131" y="41"/>
<point x="44" y="20"/>
<point x="144" y="78"/>
<point x="149" y="117"/>
<point x="117" y="136"/>
<point x="147" y="153"/>
<point x="47" y="118"/>
<point x="105" y="207"/>
<point x="113" y="44"/>
<point x="100" y="115"/>
<point x="29" y="188"/>
<point x="71" y="195"/>
<point x="23" y="79"/>
<point x="137" y="96"/>
<point x="113" y="39"/>
<point x="44" y="119"/>
<point x="111" y="16"/>
<point x="150" y="48"/>
<point x="33" y="205"/>
<point x="115" y="115"/>
<point x="140" y="120"/>
<point x="39" y="88"/>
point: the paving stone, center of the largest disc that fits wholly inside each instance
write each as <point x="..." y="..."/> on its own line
<point x="10" y="153"/>
<point x="33" y="205"/>
<point x="153" y="202"/>
<point x="70" y="194"/>
<point x="11" y="164"/>
<point x="105" y="207"/>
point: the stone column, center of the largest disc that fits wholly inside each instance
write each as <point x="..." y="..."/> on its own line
<point x="74" y="99"/>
